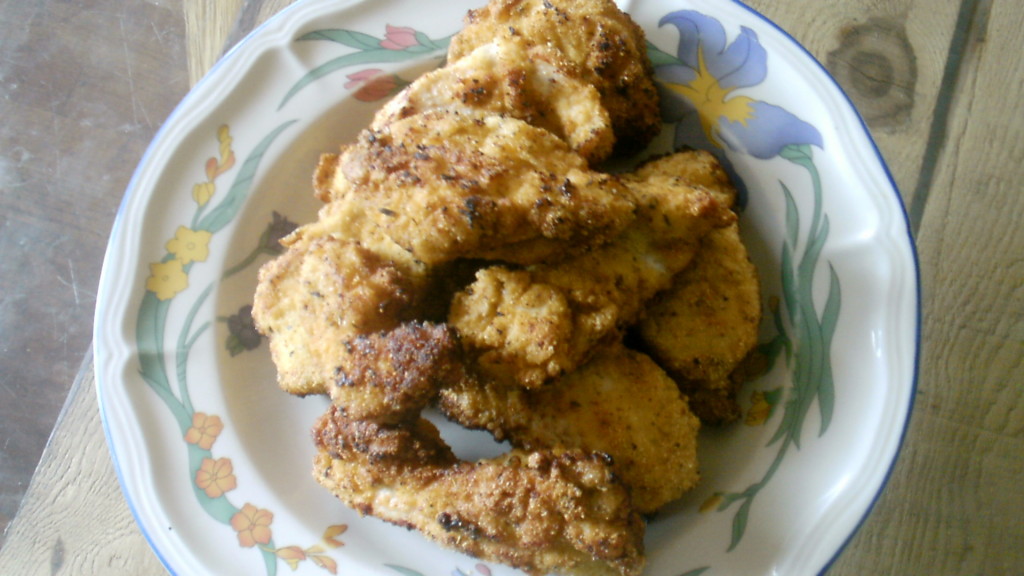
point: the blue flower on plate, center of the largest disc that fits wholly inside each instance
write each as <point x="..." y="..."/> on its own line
<point x="708" y="72"/>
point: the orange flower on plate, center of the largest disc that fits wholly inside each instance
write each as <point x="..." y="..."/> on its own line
<point x="331" y="535"/>
<point x="373" y="84"/>
<point x="215" y="477"/>
<point x="325" y="562"/>
<point x="166" y="279"/>
<point x="252" y="525"/>
<point x="292" y="555"/>
<point x="204" y="430"/>
<point x="215" y="167"/>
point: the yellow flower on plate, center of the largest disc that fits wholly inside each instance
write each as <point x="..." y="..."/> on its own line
<point x="190" y="245"/>
<point x="715" y="102"/>
<point x="252" y="525"/>
<point x="204" y="430"/>
<point x="202" y="192"/>
<point x="215" y="477"/>
<point x="166" y="279"/>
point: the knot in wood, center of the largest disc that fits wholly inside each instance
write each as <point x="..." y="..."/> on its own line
<point x="876" y="66"/>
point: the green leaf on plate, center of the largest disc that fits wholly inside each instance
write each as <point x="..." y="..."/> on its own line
<point x="350" y="38"/>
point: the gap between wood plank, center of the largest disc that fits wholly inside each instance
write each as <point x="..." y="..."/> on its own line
<point x="972" y="20"/>
<point x="250" y="17"/>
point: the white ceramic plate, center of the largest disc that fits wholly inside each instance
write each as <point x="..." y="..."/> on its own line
<point x="214" y="459"/>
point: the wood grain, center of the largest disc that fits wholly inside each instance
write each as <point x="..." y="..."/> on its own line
<point x="252" y="14"/>
<point x="852" y="37"/>
<point x="82" y="91"/>
<point x="74" y="523"/>
<point x="207" y="26"/>
<point x="953" y="505"/>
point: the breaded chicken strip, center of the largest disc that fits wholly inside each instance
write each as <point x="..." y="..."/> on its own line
<point x="534" y="324"/>
<point x="619" y="403"/>
<point x="507" y="78"/>
<point x="701" y="328"/>
<point x="389" y="377"/>
<point x="445" y="185"/>
<point x="542" y="512"/>
<point x="336" y="279"/>
<point x="404" y="202"/>
<point x="707" y="323"/>
<point x="597" y="41"/>
<point x="697" y="168"/>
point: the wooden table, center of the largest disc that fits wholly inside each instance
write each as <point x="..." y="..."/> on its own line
<point x="940" y="84"/>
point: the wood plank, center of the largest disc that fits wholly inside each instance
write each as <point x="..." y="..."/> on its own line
<point x="252" y="14"/>
<point x="954" y="501"/>
<point x="889" y="57"/>
<point x="207" y="26"/>
<point x="67" y="523"/>
<point x="82" y="91"/>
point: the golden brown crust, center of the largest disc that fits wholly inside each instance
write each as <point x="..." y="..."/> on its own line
<point x="541" y="512"/>
<point x="484" y="167"/>
<point x="595" y="39"/>
<point x="698" y="168"/>
<point x="707" y="323"/>
<point x="445" y="184"/>
<point x="533" y="324"/>
<point x="407" y="445"/>
<point x="391" y="376"/>
<point x="505" y="77"/>
<point x="620" y="403"/>
<point x="320" y="293"/>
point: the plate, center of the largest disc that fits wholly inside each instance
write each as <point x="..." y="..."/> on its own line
<point x="214" y="460"/>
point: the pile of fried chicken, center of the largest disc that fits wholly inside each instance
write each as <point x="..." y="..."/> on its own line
<point x="471" y="256"/>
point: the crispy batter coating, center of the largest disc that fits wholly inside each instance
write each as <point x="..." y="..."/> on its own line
<point x="594" y="38"/>
<point x="533" y="324"/>
<point x="620" y="403"/>
<point x="391" y="376"/>
<point x="703" y="327"/>
<point x="332" y="283"/>
<point x="506" y="77"/>
<point x="485" y="166"/>
<point x="697" y="168"/>
<point x="545" y="511"/>
<point x="446" y="184"/>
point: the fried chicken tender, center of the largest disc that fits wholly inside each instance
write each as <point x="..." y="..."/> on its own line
<point x="619" y="403"/>
<point x="703" y="328"/>
<point x="507" y="78"/>
<point x="391" y="376"/>
<point x="697" y="168"/>
<point x="446" y="184"/>
<point x="485" y="165"/>
<point x="338" y="278"/>
<point x="706" y="324"/>
<point x="533" y="324"/>
<point x="542" y="512"/>
<point x="595" y="39"/>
